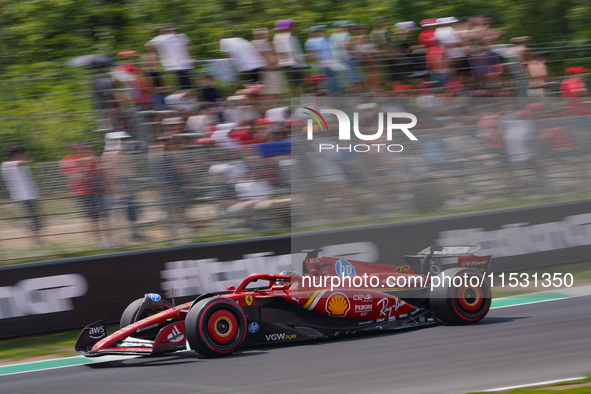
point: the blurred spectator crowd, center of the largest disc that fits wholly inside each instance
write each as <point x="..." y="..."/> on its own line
<point x="179" y="131"/>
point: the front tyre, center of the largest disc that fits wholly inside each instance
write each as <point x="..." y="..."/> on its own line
<point x="464" y="300"/>
<point x="215" y="327"/>
<point x="134" y="311"/>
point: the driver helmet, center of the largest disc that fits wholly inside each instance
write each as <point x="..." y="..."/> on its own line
<point x="285" y="281"/>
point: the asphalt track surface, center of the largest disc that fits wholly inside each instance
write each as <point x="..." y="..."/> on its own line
<point x="511" y="346"/>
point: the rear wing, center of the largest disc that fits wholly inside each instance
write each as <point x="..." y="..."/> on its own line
<point x="435" y="259"/>
<point x="450" y="250"/>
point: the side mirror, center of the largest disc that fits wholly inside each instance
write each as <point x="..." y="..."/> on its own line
<point x="280" y="287"/>
<point x="230" y="288"/>
<point x="436" y="248"/>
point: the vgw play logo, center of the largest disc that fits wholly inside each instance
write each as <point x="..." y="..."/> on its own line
<point x="345" y="128"/>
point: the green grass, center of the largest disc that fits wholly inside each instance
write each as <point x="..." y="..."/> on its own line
<point x="582" y="386"/>
<point x="53" y="345"/>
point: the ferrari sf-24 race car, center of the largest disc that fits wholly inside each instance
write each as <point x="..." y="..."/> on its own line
<point x="286" y="308"/>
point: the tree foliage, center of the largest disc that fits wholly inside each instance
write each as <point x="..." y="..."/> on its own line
<point x="45" y="30"/>
<point x="37" y="37"/>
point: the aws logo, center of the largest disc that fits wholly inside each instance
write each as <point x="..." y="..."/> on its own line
<point x="337" y="305"/>
<point x="97" y="332"/>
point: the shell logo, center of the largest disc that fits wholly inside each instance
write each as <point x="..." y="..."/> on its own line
<point x="338" y="305"/>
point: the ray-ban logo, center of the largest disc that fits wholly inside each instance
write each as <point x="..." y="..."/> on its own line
<point x="393" y="121"/>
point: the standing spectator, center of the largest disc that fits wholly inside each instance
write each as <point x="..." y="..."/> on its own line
<point x="131" y="81"/>
<point x="289" y="52"/>
<point x="154" y="82"/>
<point x="319" y="48"/>
<point x="518" y="55"/>
<point x="170" y="180"/>
<point x="120" y="176"/>
<point x="437" y="62"/>
<point x="538" y="73"/>
<point x="263" y="45"/>
<point x="362" y="60"/>
<point x="105" y="100"/>
<point x="452" y="42"/>
<point x="246" y="58"/>
<point x="86" y="180"/>
<point x="574" y="91"/>
<point x="519" y="139"/>
<point x="273" y="79"/>
<point x="380" y="38"/>
<point x="175" y="55"/>
<point x="23" y="189"/>
<point x="408" y="56"/>
<point x="338" y="47"/>
<point x="427" y="34"/>
<point x="519" y="134"/>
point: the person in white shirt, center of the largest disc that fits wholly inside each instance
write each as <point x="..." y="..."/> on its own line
<point x="454" y="46"/>
<point x="274" y="79"/>
<point x="289" y="52"/>
<point x="183" y="101"/>
<point x="246" y="57"/>
<point x="519" y="136"/>
<point x="206" y="117"/>
<point x="173" y="49"/>
<point x="221" y="136"/>
<point x="22" y="187"/>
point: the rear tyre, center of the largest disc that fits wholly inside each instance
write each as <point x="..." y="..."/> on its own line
<point x="462" y="301"/>
<point x="215" y="327"/>
<point x="132" y="313"/>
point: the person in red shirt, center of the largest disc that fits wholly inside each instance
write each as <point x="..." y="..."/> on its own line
<point x="427" y="35"/>
<point x="574" y="90"/>
<point x="85" y="179"/>
<point x="435" y="56"/>
<point x="134" y="84"/>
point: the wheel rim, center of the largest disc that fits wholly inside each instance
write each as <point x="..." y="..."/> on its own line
<point x="470" y="299"/>
<point x="222" y="327"/>
<point x="470" y="303"/>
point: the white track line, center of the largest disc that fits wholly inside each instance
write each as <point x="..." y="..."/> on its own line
<point x="534" y="384"/>
<point x="529" y="303"/>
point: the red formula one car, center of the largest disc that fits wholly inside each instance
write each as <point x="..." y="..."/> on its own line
<point x="277" y="308"/>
